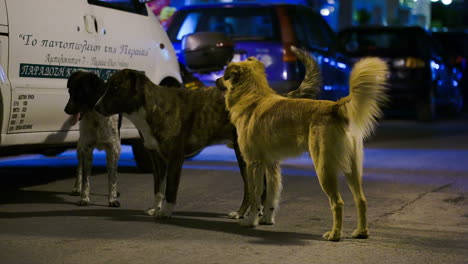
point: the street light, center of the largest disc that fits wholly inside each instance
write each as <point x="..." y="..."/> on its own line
<point x="446" y="2"/>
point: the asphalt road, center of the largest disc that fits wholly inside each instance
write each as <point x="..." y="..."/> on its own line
<point x="415" y="180"/>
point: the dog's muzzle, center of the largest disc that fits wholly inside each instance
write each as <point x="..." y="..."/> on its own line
<point x="220" y="84"/>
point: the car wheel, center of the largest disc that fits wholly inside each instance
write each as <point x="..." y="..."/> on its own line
<point x="142" y="157"/>
<point x="427" y="109"/>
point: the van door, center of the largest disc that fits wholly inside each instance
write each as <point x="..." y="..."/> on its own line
<point x="3" y="16"/>
<point x="4" y="84"/>
<point x="49" y="39"/>
<point x="132" y="38"/>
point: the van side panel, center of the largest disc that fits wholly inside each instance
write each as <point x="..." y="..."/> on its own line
<point x="48" y="40"/>
<point x="4" y="87"/>
<point x="134" y="41"/>
<point x="3" y="14"/>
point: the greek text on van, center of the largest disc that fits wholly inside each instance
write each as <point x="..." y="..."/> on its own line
<point x="30" y="40"/>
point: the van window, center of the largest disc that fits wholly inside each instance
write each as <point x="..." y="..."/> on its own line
<point x="235" y="22"/>
<point x="133" y="6"/>
<point x="308" y="29"/>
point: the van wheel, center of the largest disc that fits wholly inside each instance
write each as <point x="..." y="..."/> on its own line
<point x="142" y="157"/>
<point x="427" y="109"/>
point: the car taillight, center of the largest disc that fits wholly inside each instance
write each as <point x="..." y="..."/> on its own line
<point x="287" y="35"/>
<point x="409" y="63"/>
<point x="461" y="61"/>
<point x="288" y="55"/>
<point x="412" y="62"/>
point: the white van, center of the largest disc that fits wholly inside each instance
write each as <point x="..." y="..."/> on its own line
<point x="43" y="41"/>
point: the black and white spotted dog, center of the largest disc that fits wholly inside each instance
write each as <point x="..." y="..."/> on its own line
<point x="96" y="131"/>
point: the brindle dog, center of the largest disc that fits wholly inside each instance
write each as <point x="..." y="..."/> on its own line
<point x="174" y="122"/>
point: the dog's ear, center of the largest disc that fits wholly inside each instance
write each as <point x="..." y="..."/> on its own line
<point x="258" y="64"/>
<point x="135" y="79"/>
<point x="98" y="84"/>
<point x="73" y="78"/>
<point x="233" y="73"/>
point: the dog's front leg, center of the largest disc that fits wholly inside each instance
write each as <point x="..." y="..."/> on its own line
<point x="85" y="157"/>
<point x="273" y="191"/>
<point x="112" y="157"/>
<point x="243" y="170"/>
<point x="174" y="168"/>
<point x="159" y="181"/>
<point x="255" y="176"/>
<point x="79" y="174"/>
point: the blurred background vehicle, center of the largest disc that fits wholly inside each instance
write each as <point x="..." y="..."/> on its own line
<point x="421" y="78"/>
<point x="267" y="31"/>
<point x="455" y="43"/>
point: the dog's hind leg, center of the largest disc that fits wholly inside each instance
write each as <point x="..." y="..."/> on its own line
<point x="85" y="156"/>
<point x="159" y="181"/>
<point x="255" y="176"/>
<point x="354" y="179"/>
<point x="327" y="171"/>
<point x="174" y="168"/>
<point x="112" y="158"/>
<point x="273" y="192"/>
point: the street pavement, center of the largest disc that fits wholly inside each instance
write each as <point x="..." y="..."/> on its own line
<point x="415" y="181"/>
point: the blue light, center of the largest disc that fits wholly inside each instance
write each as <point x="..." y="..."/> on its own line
<point x="455" y="83"/>
<point x="325" y="12"/>
<point x="341" y="65"/>
<point x="327" y="87"/>
<point x="435" y="65"/>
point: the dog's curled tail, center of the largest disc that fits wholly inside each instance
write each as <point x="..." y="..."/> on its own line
<point x="367" y="94"/>
<point x="310" y="85"/>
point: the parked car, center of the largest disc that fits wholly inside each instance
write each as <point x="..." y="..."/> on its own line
<point x="43" y="42"/>
<point x="267" y="32"/>
<point x="420" y="78"/>
<point x="455" y="42"/>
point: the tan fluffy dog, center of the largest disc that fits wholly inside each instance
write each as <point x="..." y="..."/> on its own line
<point x="271" y="127"/>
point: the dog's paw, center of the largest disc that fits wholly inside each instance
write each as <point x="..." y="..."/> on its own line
<point x="267" y="217"/>
<point x="332" y="235"/>
<point x="360" y="233"/>
<point x="267" y="221"/>
<point x="234" y="215"/>
<point x="249" y="221"/>
<point x="151" y="211"/>
<point x="75" y="192"/>
<point x="114" y="203"/>
<point x="163" y="215"/>
<point x="83" y="202"/>
<point x="165" y="212"/>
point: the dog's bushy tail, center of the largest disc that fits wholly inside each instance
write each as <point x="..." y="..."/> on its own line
<point x="367" y="95"/>
<point x="310" y="85"/>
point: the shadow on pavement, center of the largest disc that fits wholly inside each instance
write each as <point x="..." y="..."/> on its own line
<point x="232" y="227"/>
<point x="181" y="219"/>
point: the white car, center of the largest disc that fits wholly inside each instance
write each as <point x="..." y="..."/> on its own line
<point x="43" y="42"/>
